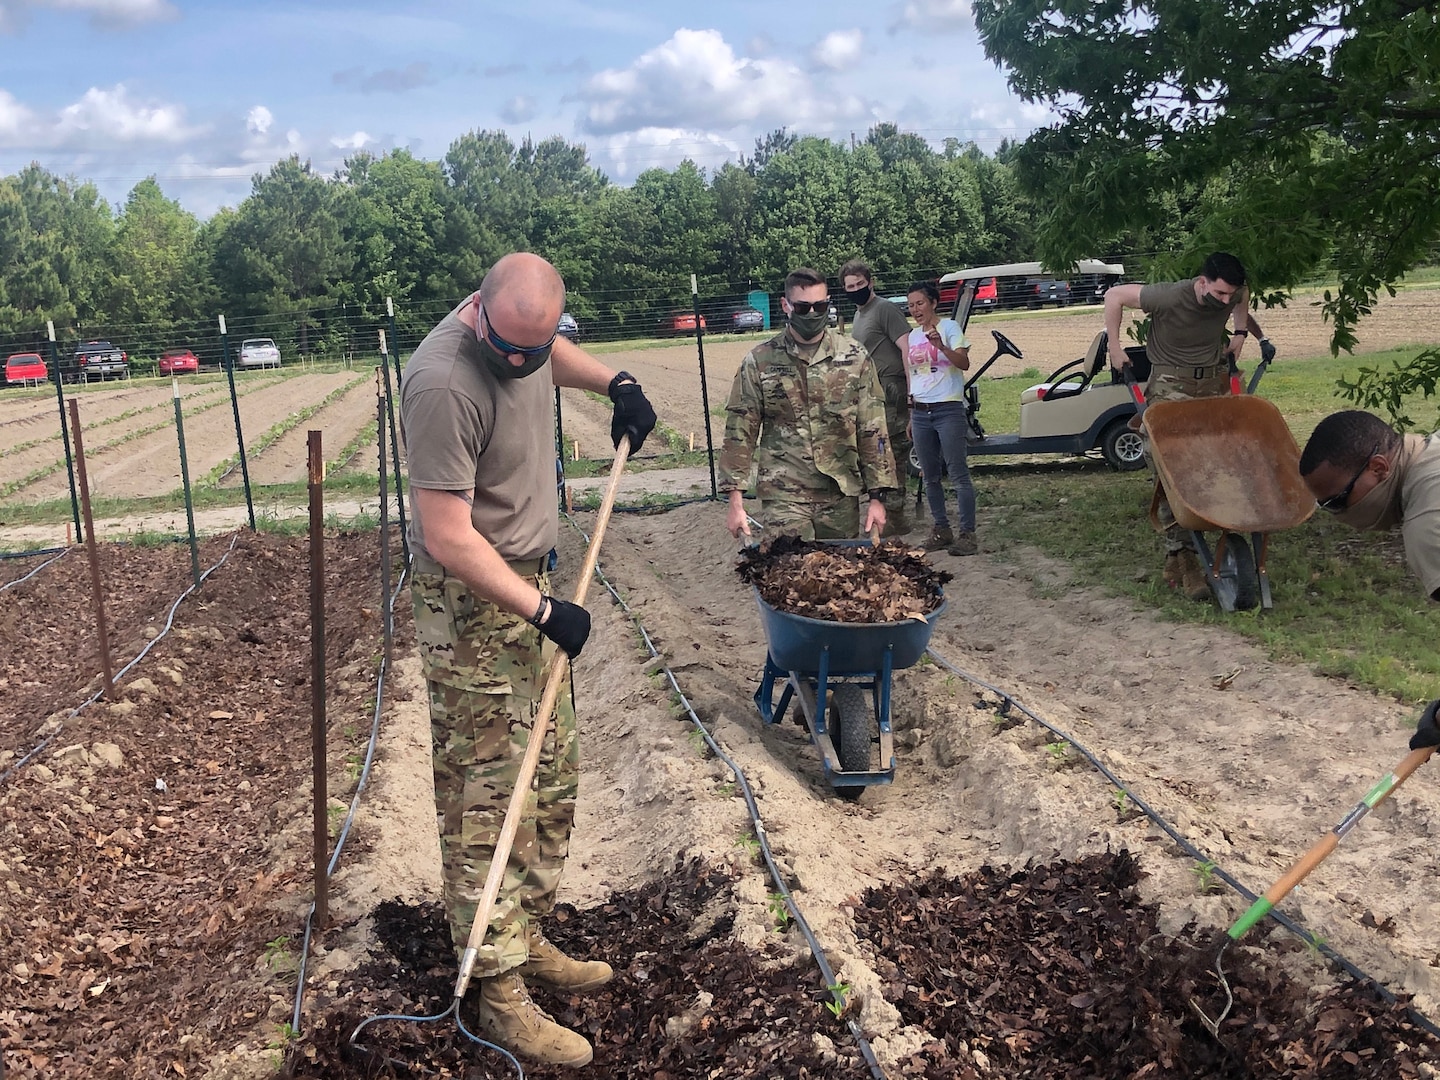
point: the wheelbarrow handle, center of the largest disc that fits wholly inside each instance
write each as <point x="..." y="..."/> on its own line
<point x="1128" y="374"/>
<point x="1317" y="854"/>
<point x="528" y="764"/>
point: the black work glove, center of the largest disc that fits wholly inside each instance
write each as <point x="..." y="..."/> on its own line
<point x="1427" y="732"/>
<point x="634" y="415"/>
<point x="568" y="625"/>
<point x="1267" y="351"/>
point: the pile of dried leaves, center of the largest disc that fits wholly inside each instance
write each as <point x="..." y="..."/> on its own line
<point x="1059" y="971"/>
<point x="890" y="582"/>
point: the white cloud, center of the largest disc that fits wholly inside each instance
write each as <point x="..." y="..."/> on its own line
<point x="626" y="155"/>
<point x="933" y="16"/>
<point x="838" y="49"/>
<point x="16" y="120"/>
<point x="519" y="109"/>
<point x="695" y="81"/>
<point x="386" y="80"/>
<point x="104" y="12"/>
<point x="111" y="115"/>
<point x="355" y="141"/>
<point x="258" y="120"/>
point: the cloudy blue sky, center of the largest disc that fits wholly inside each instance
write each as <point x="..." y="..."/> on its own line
<point x="203" y="94"/>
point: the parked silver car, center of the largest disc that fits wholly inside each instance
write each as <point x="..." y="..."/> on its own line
<point x="259" y="352"/>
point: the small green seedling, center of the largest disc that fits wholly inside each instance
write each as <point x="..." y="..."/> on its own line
<point x="1205" y="879"/>
<point x="1059" y="751"/>
<point x="837" y="1003"/>
<point x="354" y="764"/>
<point x="726" y="790"/>
<point x="277" y="952"/>
<point x="1313" y="944"/>
<point x="779" y="912"/>
<point x="286" y="1035"/>
<point x="749" y="842"/>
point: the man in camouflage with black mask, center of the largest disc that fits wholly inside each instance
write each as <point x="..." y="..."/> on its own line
<point x="807" y="412"/>
<point x="1190" y="357"/>
<point x="477" y="407"/>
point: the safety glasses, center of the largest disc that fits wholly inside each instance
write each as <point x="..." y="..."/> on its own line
<point x="504" y="347"/>
<point x="1339" y="501"/>
<point x="805" y="307"/>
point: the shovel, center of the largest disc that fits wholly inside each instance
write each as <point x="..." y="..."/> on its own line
<point x="523" y="781"/>
<point x="1297" y="873"/>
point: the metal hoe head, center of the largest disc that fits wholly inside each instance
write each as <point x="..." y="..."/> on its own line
<point x="1213" y="1026"/>
<point x="453" y="1010"/>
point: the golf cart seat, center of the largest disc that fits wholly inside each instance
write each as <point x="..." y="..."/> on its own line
<point x="1071" y="379"/>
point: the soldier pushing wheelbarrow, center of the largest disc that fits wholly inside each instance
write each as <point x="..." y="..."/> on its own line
<point x="1190" y="357"/>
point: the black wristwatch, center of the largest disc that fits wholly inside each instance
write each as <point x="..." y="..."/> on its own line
<point x="623" y="376"/>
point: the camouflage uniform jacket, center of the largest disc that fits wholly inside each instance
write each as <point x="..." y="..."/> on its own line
<point x="808" y="424"/>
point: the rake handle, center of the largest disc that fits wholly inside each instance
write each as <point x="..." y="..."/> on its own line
<point x="1317" y="854"/>
<point x="528" y="764"/>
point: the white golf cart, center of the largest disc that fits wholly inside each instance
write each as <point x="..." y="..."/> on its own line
<point x="1082" y="407"/>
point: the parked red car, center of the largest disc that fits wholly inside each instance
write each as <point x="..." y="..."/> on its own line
<point x="178" y="362"/>
<point x="24" y="368"/>
<point x="679" y="323"/>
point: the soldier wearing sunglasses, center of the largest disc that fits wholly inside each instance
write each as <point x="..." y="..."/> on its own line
<point x="806" y="411"/>
<point x="1370" y="476"/>
<point x="477" y="408"/>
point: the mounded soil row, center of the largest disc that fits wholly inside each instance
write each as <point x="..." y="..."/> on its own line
<point x="155" y="857"/>
<point x="287" y="459"/>
<point x="150" y="465"/>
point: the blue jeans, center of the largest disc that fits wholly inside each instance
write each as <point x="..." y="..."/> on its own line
<point x="940" y="436"/>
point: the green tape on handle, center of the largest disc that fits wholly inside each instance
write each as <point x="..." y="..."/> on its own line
<point x="1258" y="911"/>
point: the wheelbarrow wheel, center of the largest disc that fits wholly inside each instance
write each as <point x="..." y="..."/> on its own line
<point x="1237" y="572"/>
<point x="849" y="721"/>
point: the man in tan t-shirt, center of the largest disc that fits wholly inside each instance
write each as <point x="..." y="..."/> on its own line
<point x="1371" y="477"/>
<point x="1190" y="357"/>
<point x="477" y="409"/>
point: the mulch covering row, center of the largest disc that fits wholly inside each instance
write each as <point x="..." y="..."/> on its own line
<point x="1055" y="971"/>
<point x="1058" y="971"/>
<point x="890" y="582"/>
<point x="137" y="899"/>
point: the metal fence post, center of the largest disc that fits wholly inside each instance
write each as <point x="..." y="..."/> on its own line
<point x="235" y="406"/>
<point x="64" y="428"/>
<point x="185" y="482"/>
<point x="394" y="446"/>
<point x="317" y="678"/>
<point x="386" y="614"/>
<point x="704" y="389"/>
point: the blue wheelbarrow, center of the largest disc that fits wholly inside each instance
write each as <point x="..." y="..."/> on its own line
<point x="830" y="669"/>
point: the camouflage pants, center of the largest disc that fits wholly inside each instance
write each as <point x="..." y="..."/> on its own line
<point x="1167" y="385"/>
<point x="897" y="419"/>
<point x="837" y="518"/>
<point x="484" y="670"/>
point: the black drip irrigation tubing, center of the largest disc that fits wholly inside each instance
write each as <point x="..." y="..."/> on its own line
<point x="42" y="566"/>
<point x="169" y="622"/>
<point x="32" y="554"/>
<point x="816" y="950"/>
<point x="354" y="805"/>
<point x="1007" y="702"/>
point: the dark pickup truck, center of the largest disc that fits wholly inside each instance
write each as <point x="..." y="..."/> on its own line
<point x="98" y="360"/>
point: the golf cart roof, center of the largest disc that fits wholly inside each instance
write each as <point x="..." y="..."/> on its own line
<point x="1030" y="269"/>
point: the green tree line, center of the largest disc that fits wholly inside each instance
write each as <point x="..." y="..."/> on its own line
<point x="305" y="258"/>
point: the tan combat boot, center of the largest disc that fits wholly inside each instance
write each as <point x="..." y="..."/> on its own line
<point x="965" y="544"/>
<point x="552" y="968"/>
<point x="506" y="1015"/>
<point x="1192" y="576"/>
<point x="1172" y="569"/>
<point x="940" y="537"/>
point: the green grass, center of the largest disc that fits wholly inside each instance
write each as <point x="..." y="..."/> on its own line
<point x="1344" y="602"/>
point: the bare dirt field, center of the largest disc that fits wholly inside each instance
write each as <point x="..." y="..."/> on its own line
<point x="1251" y="760"/>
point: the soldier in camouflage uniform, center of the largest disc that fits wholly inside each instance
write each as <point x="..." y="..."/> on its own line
<point x="478" y="417"/>
<point x="807" y="413"/>
<point x="1190" y="357"/>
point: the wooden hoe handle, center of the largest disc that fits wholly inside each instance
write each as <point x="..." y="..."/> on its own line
<point x="1317" y="854"/>
<point x="531" y="760"/>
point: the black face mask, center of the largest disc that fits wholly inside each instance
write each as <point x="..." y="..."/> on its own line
<point x="500" y="366"/>
<point x="858" y="297"/>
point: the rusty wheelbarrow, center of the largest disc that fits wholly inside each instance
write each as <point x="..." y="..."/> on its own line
<point x="1228" y="465"/>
